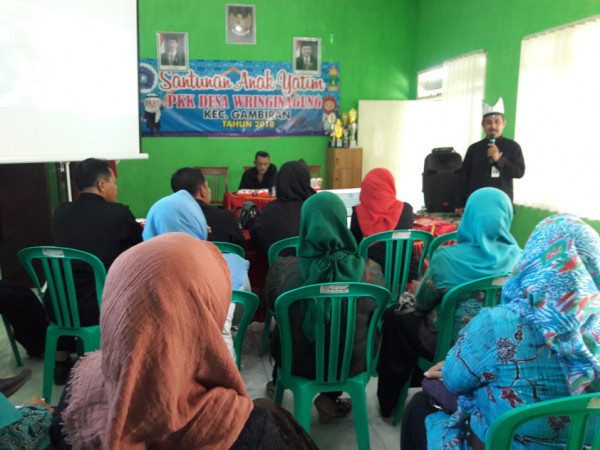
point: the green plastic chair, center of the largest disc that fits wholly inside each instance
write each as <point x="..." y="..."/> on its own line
<point x="274" y="250"/>
<point x="228" y="247"/>
<point x="443" y="239"/>
<point x="578" y="408"/>
<point x="397" y="244"/>
<point x="332" y="362"/>
<point x="492" y="287"/>
<point x="13" y="342"/>
<point x="56" y="263"/>
<point x="250" y="302"/>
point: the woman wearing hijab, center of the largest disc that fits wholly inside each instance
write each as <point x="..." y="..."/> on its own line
<point x="327" y="253"/>
<point x="379" y="210"/>
<point x="180" y="212"/>
<point x="542" y="343"/>
<point x="484" y="248"/>
<point x="280" y="219"/>
<point x="164" y="378"/>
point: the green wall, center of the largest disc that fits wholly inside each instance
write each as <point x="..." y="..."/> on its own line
<point x="373" y="42"/>
<point x="450" y="28"/>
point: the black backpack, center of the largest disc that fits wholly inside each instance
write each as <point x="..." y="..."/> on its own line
<point x="249" y="215"/>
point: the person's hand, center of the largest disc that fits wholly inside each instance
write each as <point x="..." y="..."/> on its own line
<point x="35" y="400"/>
<point x="459" y="211"/>
<point x="493" y="152"/>
<point x="209" y="229"/>
<point x="435" y="371"/>
<point x="414" y="285"/>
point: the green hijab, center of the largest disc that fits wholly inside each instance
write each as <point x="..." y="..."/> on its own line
<point x="327" y="250"/>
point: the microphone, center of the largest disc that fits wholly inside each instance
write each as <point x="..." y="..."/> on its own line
<point x="492" y="139"/>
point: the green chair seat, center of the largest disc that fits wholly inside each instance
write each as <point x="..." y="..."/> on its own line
<point x="56" y="263"/>
<point x="335" y="304"/>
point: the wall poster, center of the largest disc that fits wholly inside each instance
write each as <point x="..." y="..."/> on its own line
<point x="237" y="98"/>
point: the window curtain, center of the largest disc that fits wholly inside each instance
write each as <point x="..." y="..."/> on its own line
<point x="463" y="89"/>
<point x="557" y="119"/>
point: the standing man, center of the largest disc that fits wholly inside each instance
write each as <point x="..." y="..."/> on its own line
<point x="493" y="161"/>
<point x="306" y="60"/>
<point x="95" y="224"/>
<point x="222" y="225"/>
<point x="262" y="176"/>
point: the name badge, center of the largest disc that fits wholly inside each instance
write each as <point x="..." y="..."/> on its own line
<point x="495" y="172"/>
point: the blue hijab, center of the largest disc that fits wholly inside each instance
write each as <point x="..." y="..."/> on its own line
<point x="556" y="288"/>
<point x="178" y="212"/>
<point x="484" y="246"/>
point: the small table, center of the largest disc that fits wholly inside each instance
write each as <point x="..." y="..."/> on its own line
<point x="232" y="201"/>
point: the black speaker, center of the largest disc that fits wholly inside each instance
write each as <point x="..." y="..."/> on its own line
<point x="441" y="179"/>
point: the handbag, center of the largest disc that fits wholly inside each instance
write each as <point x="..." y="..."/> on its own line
<point x="440" y="396"/>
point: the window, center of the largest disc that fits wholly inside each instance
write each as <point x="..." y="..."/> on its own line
<point x="557" y="109"/>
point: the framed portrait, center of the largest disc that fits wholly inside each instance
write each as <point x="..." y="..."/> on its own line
<point x="241" y="24"/>
<point x="307" y="56"/>
<point x="172" y="51"/>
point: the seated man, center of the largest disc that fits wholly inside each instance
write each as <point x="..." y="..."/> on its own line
<point x="95" y="224"/>
<point x="222" y="225"/>
<point x="262" y="176"/>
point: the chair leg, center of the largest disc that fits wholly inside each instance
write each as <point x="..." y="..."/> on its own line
<point x="13" y="343"/>
<point x="361" y="420"/>
<point x="302" y="408"/>
<point x="279" y="388"/>
<point x="265" y="335"/>
<point x="401" y="401"/>
<point x="49" y="357"/>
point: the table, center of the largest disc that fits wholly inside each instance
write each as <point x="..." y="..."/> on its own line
<point x="232" y="201"/>
<point x="433" y="225"/>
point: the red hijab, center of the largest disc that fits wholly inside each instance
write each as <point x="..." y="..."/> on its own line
<point x="378" y="210"/>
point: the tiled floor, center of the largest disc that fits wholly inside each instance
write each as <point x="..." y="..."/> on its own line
<point x="256" y="371"/>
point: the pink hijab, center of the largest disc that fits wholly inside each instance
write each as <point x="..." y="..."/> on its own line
<point x="378" y="210"/>
<point x="164" y="377"/>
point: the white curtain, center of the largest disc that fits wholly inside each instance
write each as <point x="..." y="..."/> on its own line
<point x="558" y="118"/>
<point x="463" y="88"/>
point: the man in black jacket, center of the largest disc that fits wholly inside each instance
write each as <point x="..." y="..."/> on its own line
<point x="262" y="176"/>
<point x="95" y="224"/>
<point x="492" y="162"/>
<point x="222" y="225"/>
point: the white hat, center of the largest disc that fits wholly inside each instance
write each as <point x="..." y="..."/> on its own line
<point x="488" y="110"/>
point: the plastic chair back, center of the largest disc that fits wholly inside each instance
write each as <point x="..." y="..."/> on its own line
<point x="57" y="266"/>
<point x="276" y="248"/>
<point x="335" y="311"/>
<point x="447" y="239"/>
<point x="579" y="410"/>
<point x="250" y="302"/>
<point x="399" y="245"/>
<point x="228" y="247"/>
<point x="216" y="177"/>
<point x="492" y="287"/>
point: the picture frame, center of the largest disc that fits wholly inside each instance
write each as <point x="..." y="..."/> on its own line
<point x="240" y="24"/>
<point x="172" y="51"/>
<point x="306" y="56"/>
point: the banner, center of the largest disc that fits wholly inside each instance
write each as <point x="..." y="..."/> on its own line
<point x="236" y="98"/>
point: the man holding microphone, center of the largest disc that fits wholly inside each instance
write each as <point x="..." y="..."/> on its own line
<point x="493" y="161"/>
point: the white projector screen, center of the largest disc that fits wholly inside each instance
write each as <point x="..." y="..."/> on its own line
<point x="68" y="80"/>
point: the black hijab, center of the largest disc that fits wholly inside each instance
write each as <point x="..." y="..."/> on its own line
<point x="293" y="182"/>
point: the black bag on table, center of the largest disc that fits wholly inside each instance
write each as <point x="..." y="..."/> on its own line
<point x="249" y="215"/>
<point x="441" y="180"/>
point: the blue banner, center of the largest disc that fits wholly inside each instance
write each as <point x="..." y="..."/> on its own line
<point x="237" y="98"/>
